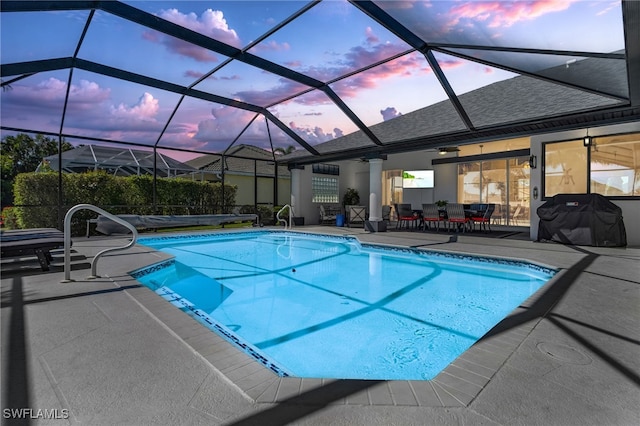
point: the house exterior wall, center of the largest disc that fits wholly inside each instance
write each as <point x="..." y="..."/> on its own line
<point x="355" y="174"/>
<point x="630" y="208"/>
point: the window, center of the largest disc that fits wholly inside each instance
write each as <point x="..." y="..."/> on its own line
<point x="610" y="166"/>
<point x="565" y="168"/>
<point x="615" y="165"/>
<point x="325" y="189"/>
<point x="326" y="169"/>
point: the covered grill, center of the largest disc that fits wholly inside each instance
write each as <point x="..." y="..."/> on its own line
<point x="582" y="219"/>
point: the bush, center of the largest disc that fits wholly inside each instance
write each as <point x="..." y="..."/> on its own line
<point x="36" y="196"/>
<point x="9" y="218"/>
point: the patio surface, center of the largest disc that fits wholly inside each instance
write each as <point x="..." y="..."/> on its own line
<point x="110" y="351"/>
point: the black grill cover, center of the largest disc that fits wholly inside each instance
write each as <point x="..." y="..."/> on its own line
<point x="583" y="220"/>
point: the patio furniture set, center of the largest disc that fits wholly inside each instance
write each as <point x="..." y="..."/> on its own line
<point x="453" y="216"/>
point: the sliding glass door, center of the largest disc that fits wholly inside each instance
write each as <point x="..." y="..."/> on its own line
<point x="503" y="182"/>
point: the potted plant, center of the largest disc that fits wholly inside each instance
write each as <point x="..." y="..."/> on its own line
<point x="351" y="198"/>
<point x="441" y="204"/>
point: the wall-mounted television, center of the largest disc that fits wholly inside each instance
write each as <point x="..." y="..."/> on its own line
<point x="417" y="179"/>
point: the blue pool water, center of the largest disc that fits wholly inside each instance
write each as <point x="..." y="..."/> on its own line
<point x="329" y="307"/>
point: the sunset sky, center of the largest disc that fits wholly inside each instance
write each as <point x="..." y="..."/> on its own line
<point x="331" y="40"/>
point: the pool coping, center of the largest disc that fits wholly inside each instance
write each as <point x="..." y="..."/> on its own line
<point x="456" y="386"/>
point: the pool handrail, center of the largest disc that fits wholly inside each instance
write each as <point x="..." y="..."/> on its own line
<point x="94" y="262"/>
<point x="286" y="225"/>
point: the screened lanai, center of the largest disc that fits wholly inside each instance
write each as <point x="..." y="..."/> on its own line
<point x="118" y="161"/>
<point x="330" y="79"/>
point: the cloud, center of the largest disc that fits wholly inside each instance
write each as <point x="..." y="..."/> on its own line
<point x="211" y="24"/>
<point x="283" y="90"/>
<point x="372" y="78"/>
<point x="225" y="123"/>
<point x="502" y="14"/>
<point x="314" y="135"/>
<point x="49" y="95"/>
<point x="271" y="46"/>
<point x="389" y="113"/>
<point x="146" y="108"/>
<point x="193" y="74"/>
<point x="357" y="57"/>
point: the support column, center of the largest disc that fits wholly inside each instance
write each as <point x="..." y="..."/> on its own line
<point x="375" y="222"/>
<point x="295" y="189"/>
<point x="375" y="189"/>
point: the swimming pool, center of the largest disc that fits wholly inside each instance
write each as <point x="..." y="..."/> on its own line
<point x="318" y="306"/>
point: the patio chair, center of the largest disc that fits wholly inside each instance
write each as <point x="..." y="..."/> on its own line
<point x="431" y="215"/>
<point x="517" y="215"/>
<point x="357" y="215"/>
<point x="327" y="216"/>
<point x="386" y="214"/>
<point x="406" y="216"/>
<point x="31" y="242"/>
<point x="498" y="214"/>
<point x="484" y="220"/>
<point x="456" y="217"/>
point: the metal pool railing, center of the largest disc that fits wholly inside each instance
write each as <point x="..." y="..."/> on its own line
<point x="94" y="262"/>
<point x="286" y="225"/>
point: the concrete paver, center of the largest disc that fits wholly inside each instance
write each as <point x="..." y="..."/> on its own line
<point x="112" y="352"/>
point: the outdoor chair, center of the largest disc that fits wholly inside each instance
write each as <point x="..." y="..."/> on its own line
<point x="431" y="215"/>
<point x="327" y="216"/>
<point x="406" y="216"/>
<point x="484" y="220"/>
<point x="516" y="216"/>
<point x="498" y="214"/>
<point x="31" y="242"/>
<point x="456" y="217"/>
<point x="357" y="215"/>
<point x="386" y="214"/>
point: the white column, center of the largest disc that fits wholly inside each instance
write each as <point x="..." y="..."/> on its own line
<point x="375" y="190"/>
<point x="295" y="189"/>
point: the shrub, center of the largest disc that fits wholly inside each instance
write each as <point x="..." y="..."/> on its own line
<point x="37" y="197"/>
<point x="9" y="218"/>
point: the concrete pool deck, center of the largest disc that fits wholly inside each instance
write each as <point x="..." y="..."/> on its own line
<point x="110" y="351"/>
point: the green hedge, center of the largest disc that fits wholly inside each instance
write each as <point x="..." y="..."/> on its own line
<point x="36" y="197"/>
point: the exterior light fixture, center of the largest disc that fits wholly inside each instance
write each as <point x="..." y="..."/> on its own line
<point x="586" y="141"/>
<point x="533" y="161"/>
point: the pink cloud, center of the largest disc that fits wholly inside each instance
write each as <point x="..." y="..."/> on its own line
<point x="50" y="93"/>
<point x="357" y="57"/>
<point x="501" y="14"/>
<point x="147" y="107"/>
<point x="372" y="38"/>
<point x="193" y="74"/>
<point x="225" y="123"/>
<point x="211" y="24"/>
<point x="313" y="135"/>
<point x="284" y="89"/>
<point x="406" y="65"/>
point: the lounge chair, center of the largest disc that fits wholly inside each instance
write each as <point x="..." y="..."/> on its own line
<point x="31" y="242"/>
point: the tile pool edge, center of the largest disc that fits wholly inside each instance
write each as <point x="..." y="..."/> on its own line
<point x="456" y="386"/>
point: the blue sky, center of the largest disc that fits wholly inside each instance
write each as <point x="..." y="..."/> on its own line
<point x="331" y="40"/>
